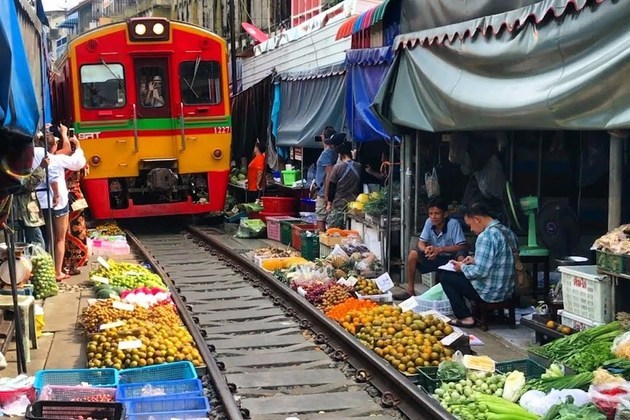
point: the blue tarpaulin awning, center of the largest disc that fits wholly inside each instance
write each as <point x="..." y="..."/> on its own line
<point x="69" y="23"/>
<point x="366" y="71"/>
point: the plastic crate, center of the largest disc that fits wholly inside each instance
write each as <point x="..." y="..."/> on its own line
<point x="236" y="217"/>
<point x="290" y="176"/>
<point x="168" y="408"/>
<point x="442" y="306"/>
<point x="309" y="246"/>
<point x="586" y="293"/>
<point x="530" y="368"/>
<point x="609" y="262"/>
<point x="273" y="226"/>
<point x="577" y="322"/>
<point x="279" y="205"/>
<point x="75" y="393"/>
<point x="428" y="379"/>
<point x="157" y="373"/>
<point x="105" y="377"/>
<point x="189" y="387"/>
<point x="428" y="279"/>
<point x="64" y="410"/>
<point x="285" y="230"/>
<point x="324" y="250"/>
<point x="385" y="297"/>
<point x="296" y="233"/>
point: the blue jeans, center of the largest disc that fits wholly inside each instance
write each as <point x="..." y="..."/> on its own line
<point x="33" y="235"/>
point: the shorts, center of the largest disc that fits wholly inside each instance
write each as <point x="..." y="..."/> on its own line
<point x="320" y="209"/>
<point x="61" y="212"/>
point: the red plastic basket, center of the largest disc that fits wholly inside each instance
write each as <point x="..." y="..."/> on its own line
<point x="280" y="205"/>
<point x="7" y="397"/>
<point x="273" y="226"/>
<point x="296" y="232"/>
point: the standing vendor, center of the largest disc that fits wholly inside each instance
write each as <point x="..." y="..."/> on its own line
<point x="344" y="184"/>
<point x="327" y="159"/>
<point x="441" y="240"/>
<point x="256" y="168"/>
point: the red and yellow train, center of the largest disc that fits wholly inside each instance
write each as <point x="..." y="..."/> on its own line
<point x="149" y="101"/>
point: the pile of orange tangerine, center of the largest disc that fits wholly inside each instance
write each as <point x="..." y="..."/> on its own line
<point x="407" y="340"/>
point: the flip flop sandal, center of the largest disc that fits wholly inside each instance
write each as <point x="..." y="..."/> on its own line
<point x="458" y="323"/>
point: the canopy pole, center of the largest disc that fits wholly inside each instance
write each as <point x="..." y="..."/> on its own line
<point x="17" y="320"/>
<point x="614" y="180"/>
<point x="406" y="216"/>
<point x="416" y="192"/>
<point x="390" y="203"/>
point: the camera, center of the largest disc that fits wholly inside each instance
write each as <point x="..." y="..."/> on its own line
<point x="318" y="138"/>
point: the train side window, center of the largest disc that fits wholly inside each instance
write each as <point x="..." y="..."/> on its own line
<point x="103" y="86"/>
<point x="200" y="82"/>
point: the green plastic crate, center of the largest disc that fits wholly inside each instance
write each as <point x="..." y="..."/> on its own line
<point x="610" y="262"/>
<point x="309" y="246"/>
<point x="285" y="230"/>
<point x="530" y="368"/>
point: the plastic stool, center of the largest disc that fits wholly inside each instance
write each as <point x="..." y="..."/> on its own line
<point x="26" y="306"/>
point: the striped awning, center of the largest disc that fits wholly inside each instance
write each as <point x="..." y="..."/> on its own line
<point x="363" y="21"/>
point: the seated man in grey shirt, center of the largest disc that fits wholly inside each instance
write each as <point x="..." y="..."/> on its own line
<point x="441" y="240"/>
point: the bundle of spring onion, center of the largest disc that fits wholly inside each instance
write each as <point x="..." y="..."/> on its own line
<point x="487" y="407"/>
<point x="584" y="351"/>
<point x="578" y="381"/>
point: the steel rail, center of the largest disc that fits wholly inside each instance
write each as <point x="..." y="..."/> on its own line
<point x="231" y="410"/>
<point x="396" y="390"/>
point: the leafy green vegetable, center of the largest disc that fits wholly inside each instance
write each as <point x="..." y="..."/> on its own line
<point x="570" y="411"/>
<point x="579" y="381"/>
<point x="451" y="371"/>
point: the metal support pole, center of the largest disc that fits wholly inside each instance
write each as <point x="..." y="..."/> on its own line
<point x="17" y="320"/>
<point x="232" y="19"/>
<point x="390" y="203"/>
<point x="416" y="191"/>
<point x="406" y="215"/>
<point x="614" y="182"/>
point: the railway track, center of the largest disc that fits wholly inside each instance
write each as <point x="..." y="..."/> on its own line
<point x="270" y="353"/>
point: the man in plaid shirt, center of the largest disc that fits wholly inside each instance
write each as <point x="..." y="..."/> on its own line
<point x="490" y="274"/>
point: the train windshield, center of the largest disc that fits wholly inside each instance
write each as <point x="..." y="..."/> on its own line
<point x="103" y="86"/>
<point x="200" y="82"/>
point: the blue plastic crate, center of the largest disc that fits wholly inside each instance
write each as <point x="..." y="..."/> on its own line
<point x="188" y="387"/>
<point x="105" y="377"/>
<point x="168" y="408"/>
<point x="158" y="373"/>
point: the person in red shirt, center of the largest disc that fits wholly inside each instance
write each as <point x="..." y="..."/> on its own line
<point x="256" y="169"/>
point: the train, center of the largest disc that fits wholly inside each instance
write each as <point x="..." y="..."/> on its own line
<point x="148" y="99"/>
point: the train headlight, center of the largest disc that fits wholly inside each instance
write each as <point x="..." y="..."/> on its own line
<point x="158" y="29"/>
<point x="140" y="29"/>
<point x="95" y="160"/>
<point x="217" y="154"/>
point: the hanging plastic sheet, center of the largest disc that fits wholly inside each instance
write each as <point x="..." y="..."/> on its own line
<point x="555" y="64"/>
<point x="308" y="103"/>
<point x="366" y="71"/>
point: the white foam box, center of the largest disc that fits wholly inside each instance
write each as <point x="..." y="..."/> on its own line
<point x="577" y="322"/>
<point x="385" y="297"/>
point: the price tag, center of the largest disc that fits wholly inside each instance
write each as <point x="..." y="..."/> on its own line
<point x="451" y="338"/>
<point x="104" y="263"/>
<point x="129" y="345"/>
<point x="408" y="304"/>
<point x="99" y="279"/>
<point x="111" y="325"/>
<point x="123" y="306"/>
<point x="342" y="281"/>
<point x="384" y="282"/>
<point x="352" y="281"/>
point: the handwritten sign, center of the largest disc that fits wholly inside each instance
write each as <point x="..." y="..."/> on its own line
<point x="110" y="325"/>
<point x="99" y="279"/>
<point x="408" y="304"/>
<point x="352" y="281"/>
<point x="384" y="282"/>
<point x="104" y="263"/>
<point x="342" y="281"/>
<point x="129" y="345"/>
<point x="123" y="306"/>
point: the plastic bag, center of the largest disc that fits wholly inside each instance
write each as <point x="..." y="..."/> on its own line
<point x="43" y="275"/>
<point x="621" y="346"/>
<point x="432" y="184"/>
<point x="451" y="370"/>
<point x="250" y="228"/>
<point x="3" y="361"/>
<point x="623" y="410"/>
<point x="608" y="397"/>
